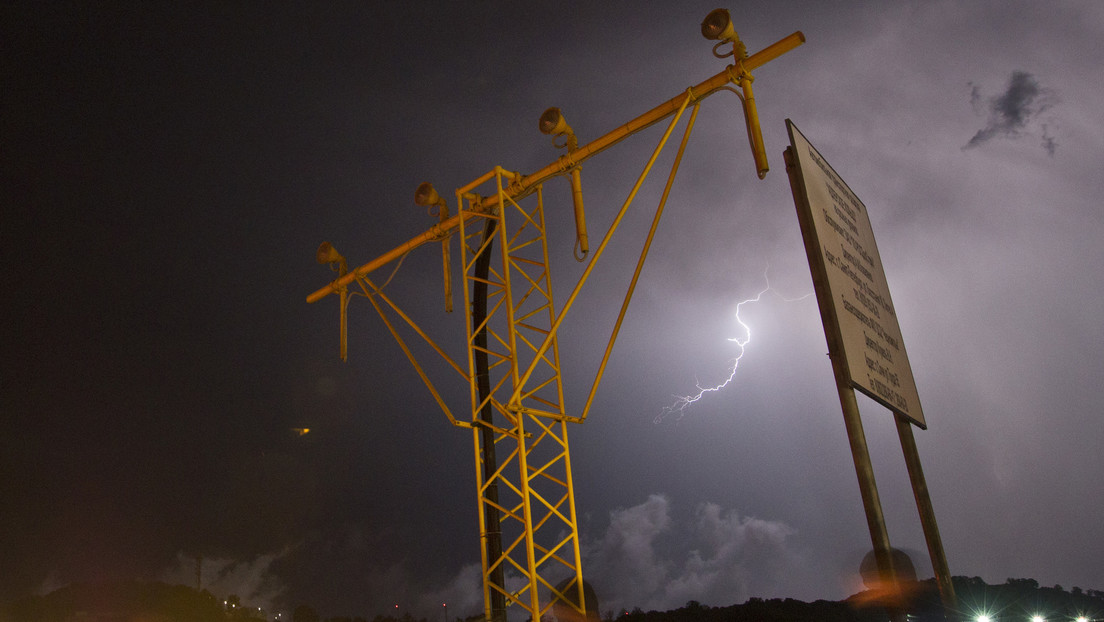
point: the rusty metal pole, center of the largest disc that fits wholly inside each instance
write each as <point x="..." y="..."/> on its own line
<point x="872" y="504"/>
<point x="927" y="517"/>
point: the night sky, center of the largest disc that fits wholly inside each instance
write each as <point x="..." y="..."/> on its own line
<point x="168" y="170"/>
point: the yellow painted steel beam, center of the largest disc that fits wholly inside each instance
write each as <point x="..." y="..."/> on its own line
<point x="653" y="116"/>
<point x="525" y="184"/>
<point x="433" y="234"/>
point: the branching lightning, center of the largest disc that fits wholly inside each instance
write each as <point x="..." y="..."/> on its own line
<point x="683" y="402"/>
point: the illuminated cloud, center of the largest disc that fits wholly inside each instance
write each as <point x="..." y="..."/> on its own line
<point x="253" y="580"/>
<point x="624" y="565"/>
<point x="648" y="559"/>
<point x="463" y="595"/>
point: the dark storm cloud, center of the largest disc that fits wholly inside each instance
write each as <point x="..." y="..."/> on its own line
<point x="1011" y="112"/>
<point x="1049" y="143"/>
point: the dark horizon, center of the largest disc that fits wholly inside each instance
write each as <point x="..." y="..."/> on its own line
<point x="1014" y="599"/>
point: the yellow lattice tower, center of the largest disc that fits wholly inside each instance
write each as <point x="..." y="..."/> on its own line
<point x="518" y="417"/>
<point x="527" y="495"/>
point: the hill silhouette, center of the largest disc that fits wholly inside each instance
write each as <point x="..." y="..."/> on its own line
<point x="1016" y="599"/>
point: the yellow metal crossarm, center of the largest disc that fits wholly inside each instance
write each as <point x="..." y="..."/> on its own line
<point x="524" y="185"/>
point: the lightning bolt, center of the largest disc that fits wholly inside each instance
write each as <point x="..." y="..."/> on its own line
<point x="683" y="402"/>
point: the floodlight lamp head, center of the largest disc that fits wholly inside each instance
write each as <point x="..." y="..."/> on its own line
<point x="552" y="122"/>
<point x="426" y="195"/>
<point x="718" y="26"/>
<point x="328" y="254"/>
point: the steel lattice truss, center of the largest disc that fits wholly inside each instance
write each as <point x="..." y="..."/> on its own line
<point x="530" y="488"/>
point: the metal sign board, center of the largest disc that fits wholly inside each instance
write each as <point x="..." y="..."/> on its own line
<point x="851" y="287"/>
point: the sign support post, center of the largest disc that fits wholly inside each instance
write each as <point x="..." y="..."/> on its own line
<point x="927" y="514"/>
<point x="872" y="504"/>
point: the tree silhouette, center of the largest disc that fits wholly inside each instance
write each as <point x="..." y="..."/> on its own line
<point x="304" y="613"/>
